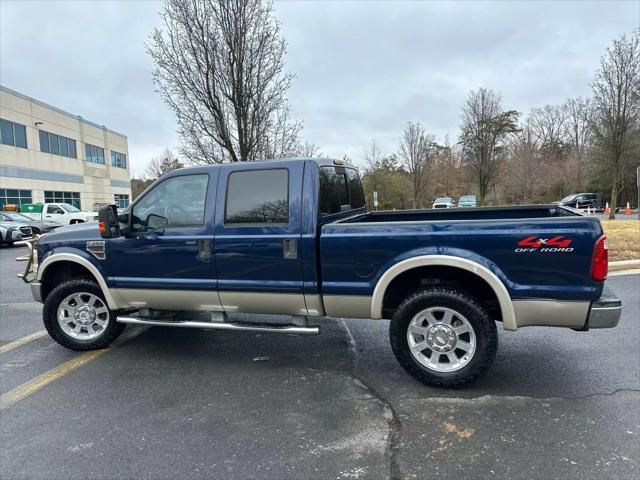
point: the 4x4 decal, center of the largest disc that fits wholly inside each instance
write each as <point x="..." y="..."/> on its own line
<point x="553" y="244"/>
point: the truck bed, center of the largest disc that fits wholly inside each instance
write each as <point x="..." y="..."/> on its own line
<point x="453" y="214"/>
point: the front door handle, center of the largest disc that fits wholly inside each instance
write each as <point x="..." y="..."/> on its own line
<point x="290" y="248"/>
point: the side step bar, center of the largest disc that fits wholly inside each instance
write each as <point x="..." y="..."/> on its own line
<point x="246" y="327"/>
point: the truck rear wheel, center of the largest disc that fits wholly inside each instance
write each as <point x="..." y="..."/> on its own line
<point x="76" y="316"/>
<point x="443" y="337"/>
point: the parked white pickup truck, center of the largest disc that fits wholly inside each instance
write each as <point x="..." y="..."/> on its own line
<point x="63" y="213"/>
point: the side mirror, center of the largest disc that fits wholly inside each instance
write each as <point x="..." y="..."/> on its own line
<point x="156" y="222"/>
<point x="108" y="222"/>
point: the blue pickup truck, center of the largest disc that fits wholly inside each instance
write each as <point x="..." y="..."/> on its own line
<point x="293" y="237"/>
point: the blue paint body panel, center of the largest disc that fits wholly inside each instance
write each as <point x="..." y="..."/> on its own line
<point x="340" y="254"/>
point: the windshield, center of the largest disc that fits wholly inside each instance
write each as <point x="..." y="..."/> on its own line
<point x="69" y="208"/>
<point x="443" y="200"/>
<point x="17" y="216"/>
<point x="569" y="198"/>
<point x="468" y="198"/>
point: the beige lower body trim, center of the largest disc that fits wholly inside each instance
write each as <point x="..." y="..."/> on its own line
<point x="315" y="307"/>
<point x="550" y="313"/>
<point x="350" y="306"/>
<point x="268" y="303"/>
<point x="170" y="299"/>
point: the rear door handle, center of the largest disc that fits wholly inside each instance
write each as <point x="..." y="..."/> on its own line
<point x="290" y="248"/>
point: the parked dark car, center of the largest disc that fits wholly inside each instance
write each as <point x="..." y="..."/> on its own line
<point x="582" y="200"/>
<point x="37" y="226"/>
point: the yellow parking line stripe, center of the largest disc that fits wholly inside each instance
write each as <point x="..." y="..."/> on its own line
<point x="21" y="341"/>
<point x="27" y="388"/>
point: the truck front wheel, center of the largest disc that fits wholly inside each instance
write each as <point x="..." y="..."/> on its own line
<point x="443" y="337"/>
<point x="76" y="316"/>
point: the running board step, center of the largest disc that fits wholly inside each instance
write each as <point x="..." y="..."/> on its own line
<point x="246" y="327"/>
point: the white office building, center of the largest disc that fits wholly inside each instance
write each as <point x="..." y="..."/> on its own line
<point x="50" y="155"/>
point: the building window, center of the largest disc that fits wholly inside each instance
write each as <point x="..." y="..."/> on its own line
<point x="94" y="154"/>
<point x="118" y="159"/>
<point x="258" y="197"/>
<point x="57" y="144"/>
<point x="13" y="134"/>
<point x="14" y="197"/>
<point x="72" y="198"/>
<point x="122" y="201"/>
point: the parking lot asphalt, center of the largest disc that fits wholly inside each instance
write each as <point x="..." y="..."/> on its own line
<point x="173" y="403"/>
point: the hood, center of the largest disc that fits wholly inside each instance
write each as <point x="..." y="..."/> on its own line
<point x="79" y="231"/>
<point x="13" y="224"/>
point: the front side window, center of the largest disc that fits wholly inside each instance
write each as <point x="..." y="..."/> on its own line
<point x="340" y="190"/>
<point x="177" y="201"/>
<point x="258" y="197"/>
<point x="54" y="209"/>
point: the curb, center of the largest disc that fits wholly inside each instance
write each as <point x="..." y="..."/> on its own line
<point x="624" y="265"/>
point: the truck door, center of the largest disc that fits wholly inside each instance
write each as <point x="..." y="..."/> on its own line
<point x="54" y="213"/>
<point x="258" y="233"/>
<point x="166" y="261"/>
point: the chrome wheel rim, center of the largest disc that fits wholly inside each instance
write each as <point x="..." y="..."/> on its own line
<point x="441" y="339"/>
<point x="83" y="316"/>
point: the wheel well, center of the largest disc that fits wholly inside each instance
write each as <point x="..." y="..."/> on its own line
<point x="73" y="222"/>
<point x="436" y="275"/>
<point x="61" y="271"/>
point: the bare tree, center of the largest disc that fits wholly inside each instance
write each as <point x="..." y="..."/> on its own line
<point x="310" y="150"/>
<point x="578" y="132"/>
<point x="165" y="163"/>
<point x="220" y="68"/>
<point x="372" y="156"/>
<point x="549" y="125"/>
<point x="616" y="91"/>
<point x="485" y="127"/>
<point x="417" y="151"/>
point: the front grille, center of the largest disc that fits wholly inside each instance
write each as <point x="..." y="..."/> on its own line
<point x="25" y="231"/>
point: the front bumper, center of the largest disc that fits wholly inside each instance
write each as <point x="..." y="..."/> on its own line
<point x="36" y="291"/>
<point x="605" y="312"/>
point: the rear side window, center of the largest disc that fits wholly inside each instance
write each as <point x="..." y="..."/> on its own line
<point x="258" y="197"/>
<point x="340" y="190"/>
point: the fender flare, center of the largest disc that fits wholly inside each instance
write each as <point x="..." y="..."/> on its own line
<point x="501" y="292"/>
<point x="75" y="258"/>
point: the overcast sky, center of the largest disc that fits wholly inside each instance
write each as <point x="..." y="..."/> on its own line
<point x="363" y="69"/>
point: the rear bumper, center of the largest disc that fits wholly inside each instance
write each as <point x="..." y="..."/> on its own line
<point x="605" y="312"/>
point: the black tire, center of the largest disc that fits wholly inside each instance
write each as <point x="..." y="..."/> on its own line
<point x="486" y="336"/>
<point x="50" y="316"/>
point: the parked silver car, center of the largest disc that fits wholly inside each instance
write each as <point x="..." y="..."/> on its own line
<point x="37" y="226"/>
<point x="11" y="232"/>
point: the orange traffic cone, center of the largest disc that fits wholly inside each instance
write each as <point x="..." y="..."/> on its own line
<point x="606" y="209"/>
<point x="588" y="210"/>
<point x="627" y="210"/>
<point x="577" y="208"/>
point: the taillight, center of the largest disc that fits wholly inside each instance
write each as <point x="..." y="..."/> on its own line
<point x="600" y="261"/>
